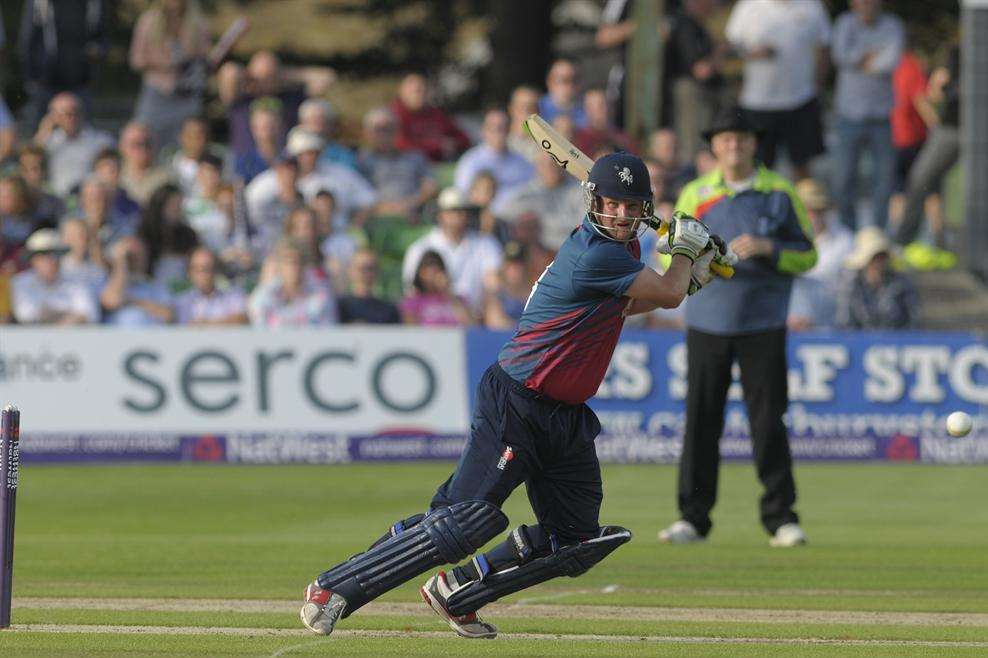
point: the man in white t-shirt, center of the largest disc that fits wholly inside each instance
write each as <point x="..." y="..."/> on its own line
<point x="43" y="295"/>
<point x="472" y="259"/>
<point x="784" y="46"/>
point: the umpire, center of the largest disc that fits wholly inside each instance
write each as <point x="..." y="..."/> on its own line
<point x="742" y="319"/>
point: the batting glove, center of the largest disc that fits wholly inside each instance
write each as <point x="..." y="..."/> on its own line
<point x="687" y="236"/>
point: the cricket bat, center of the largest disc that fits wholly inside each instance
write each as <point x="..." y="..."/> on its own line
<point x="578" y="164"/>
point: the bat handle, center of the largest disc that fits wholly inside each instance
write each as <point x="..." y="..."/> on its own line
<point x="661" y="227"/>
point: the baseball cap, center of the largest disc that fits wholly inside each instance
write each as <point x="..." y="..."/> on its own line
<point x="301" y="140"/>
<point x="45" y="241"/>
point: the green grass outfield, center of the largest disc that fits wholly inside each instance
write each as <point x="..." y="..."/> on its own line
<point x="211" y="560"/>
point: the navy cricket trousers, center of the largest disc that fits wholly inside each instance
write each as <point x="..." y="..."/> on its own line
<point x="518" y="435"/>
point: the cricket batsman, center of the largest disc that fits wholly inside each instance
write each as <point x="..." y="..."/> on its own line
<point x="532" y="425"/>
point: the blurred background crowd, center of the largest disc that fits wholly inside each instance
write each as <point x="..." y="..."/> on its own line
<point x="233" y="189"/>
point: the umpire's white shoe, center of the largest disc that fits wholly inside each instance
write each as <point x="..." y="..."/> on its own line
<point x="787" y="536"/>
<point x="435" y="592"/>
<point x="322" y="609"/>
<point x="680" y="532"/>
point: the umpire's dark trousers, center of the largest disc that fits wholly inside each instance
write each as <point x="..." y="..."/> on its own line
<point x="762" y="359"/>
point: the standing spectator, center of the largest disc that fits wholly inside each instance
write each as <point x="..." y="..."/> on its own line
<point x="503" y="307"/>
<point x="123" y="209"/>
<point x="239" y="87"/>
<point x="813" y="303"/>
<point x="554" y="195"/>
<point x="60" y="43"/>
<point x="70" y="143"/>
<point x="866" y="49"/>
<point x="472" y="260"/>
<point x="938" y="155"/>
<point x="193" y="141"/>
<point x="82" y="261"/>
<point x="563" y="94"/>
<point x="131" y="298"/>
<point x="599" y="133"/>
<point x="202" y="208"/>
<point x="492" y="154"/>
<point x="32" y="165"/>
<point x="267" y="140"/>
<point x="744" y="318"/>
<point x="524" y="102"/>
<point x="874" y="296"/>
<point x="206" y="303"/>
<point x="292" y="299"/>
<point x="169" y="49"/>
<point x="361" y="306"/>
<point x="168" y="236"/>
<point x="912" y="113"/>
<point x="17" y="219"/>
<point x="402" y="180"/>
<point x="317" y="116"/>
<point x="43" y="295"/>
<point x="432" y="302"/>
<point x="138" y="173"/>
<point x="270" y="197"/>
<point x="784" y="46"/>
<point x="615" y="31"/>
<point x="692" y="74"/>
<point x="424" y="127"/>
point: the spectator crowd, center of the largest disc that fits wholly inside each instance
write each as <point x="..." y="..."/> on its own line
<point x="285" y="224"/>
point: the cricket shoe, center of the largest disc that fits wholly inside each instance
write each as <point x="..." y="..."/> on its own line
<point x="680" y="532"/>
<point x="787" y="536"/>
<point x="322" y="609"/>
<point x="436" y="591"/>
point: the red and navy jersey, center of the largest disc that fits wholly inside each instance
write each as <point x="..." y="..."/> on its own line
<point x="573" y="317"/>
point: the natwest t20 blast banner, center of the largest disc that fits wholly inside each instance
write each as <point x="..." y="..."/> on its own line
<point x="862" y="395"/>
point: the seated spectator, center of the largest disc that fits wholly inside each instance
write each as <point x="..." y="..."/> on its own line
<point x="32" y="165"/>
<point x="426" y="128"/>
<point x="267" y="140"/>
<point x="813" y="302"/>
<point x="554" y="195"/>
<point x="360" y="305"/>
<point x="704" y="162"/>
<point x="291" y="299"/>
<point x="123" y="209"/>
<point x="527" y="231"/>
<point x="168" y="236"/>
<point x="524" y="102"/>
<point x="432" y="302"/>
<point x="206" y="303"/>
<point x="563" y="94"/>
<point x="193" y="140"/>
<point x="270" y="197"/>
<point x="402" y="179"/>
<point x="202" y="209"/>
<point x="472" y="259"/>
<point x="264" y="75"/>
<point x="70" y="144"/>
<point x="663" y="147"/>
<point x="43" y="295"/>
<point x="354" y="195"/>
<point x="599" y="133"/>
<point x="492" y="154"/>
<point x="130" y="297"/>
<point x="337" y="247"/>
<point x="17" y="219"/>
<point x="302" y="227"/>
<point x="138" y="173"/>
<point x="873" y="295"/>
<point x="481" y="195"/>
<point x="504" y="307"/>
<point x="317" y="116"/>
<point x="83" y="260"/>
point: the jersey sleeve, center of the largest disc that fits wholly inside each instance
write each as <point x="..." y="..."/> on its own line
<point x="607" y="267"/>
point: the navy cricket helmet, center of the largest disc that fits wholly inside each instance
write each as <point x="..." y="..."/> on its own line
<point x="619" y="175"/>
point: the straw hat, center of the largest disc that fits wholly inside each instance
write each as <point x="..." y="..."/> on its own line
<point x="868" y="243"/>
<point x="45" y="241"/>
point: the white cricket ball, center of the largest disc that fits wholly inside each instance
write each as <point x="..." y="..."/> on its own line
<point x="958" y="423"/>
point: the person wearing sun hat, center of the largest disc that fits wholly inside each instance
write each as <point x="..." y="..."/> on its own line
<point x="875" y="296"/>
<point x="42" y="295"/>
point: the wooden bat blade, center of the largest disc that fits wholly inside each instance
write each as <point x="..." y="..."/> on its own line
<point x="560" y="149"/>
